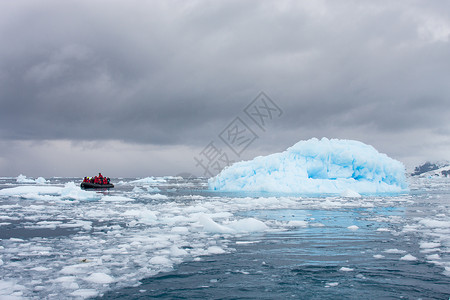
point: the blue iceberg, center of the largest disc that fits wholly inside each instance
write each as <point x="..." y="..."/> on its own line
<point x="330" y="166"/>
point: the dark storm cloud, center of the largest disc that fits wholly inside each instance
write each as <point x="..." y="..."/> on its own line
<point x="176" y="72"/>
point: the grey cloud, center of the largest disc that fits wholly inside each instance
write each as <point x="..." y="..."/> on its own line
<point x="169" y="72"/>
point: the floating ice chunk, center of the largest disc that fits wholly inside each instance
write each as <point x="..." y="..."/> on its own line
<point x="11" y="290"/>
<point x="41" y="180"/>
<point x="348" y="193"/>
<point x="85" y="293"/>
<point x="161" y="260"/>
<point x="149" y="180"/>
<point x="21" y="191"/>
<point x="345" y="269"/>
<point x="73" y="192"/>
<point x="75" y="269"/>
<point x="157" y="197"/>
<point x="353" y="227"/>
<point x="378" y="256"/>
<point x="69" y="192"/>
<point x="429" y="245"/>
<point x="65" y="279"/>
<point x="433" y="257"/>
<point x="144" y="215"/>
<point x="137" y="190"/>
<point x="394" y="251"/>
<point x="435" y="223"/>
<point x="175" y="251"/>
<point x="179" y="229"/>
<point x="86" y="225"/>
<point x="297" y="223"/>
<point x="210" y="226"/>
<point x="116" y="198"/>
<point x="248" y="243"/>
<point x="248" y="225"/>
<point x="215" y="250"/>
<point x="23" y="179"/>
<point x="40" y="269"/>
<point x="408" y="257"/>
<point x="102" y="278"/>
<point x="331" y="284"/>
<point x="316" y="166"/>
<point x="382" y="229"/>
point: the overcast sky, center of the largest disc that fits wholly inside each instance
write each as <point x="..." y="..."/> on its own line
<point x="140" y="88"/>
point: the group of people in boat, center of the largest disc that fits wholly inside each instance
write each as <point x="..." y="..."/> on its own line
<point x="100" y="179"/>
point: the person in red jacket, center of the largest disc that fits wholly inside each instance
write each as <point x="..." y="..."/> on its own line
<point x="105" y="181"/>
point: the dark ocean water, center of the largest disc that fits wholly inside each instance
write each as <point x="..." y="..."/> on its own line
<point x="170" y="238"/>
<point x="328" y="262"/>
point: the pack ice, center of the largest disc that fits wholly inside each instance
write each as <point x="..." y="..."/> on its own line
<point x="331" y="166"/>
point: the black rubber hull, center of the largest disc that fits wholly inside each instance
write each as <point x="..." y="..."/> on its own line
<point x="88" y="185"/>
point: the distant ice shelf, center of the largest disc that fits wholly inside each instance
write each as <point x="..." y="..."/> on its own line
<point x="330" y="166"/>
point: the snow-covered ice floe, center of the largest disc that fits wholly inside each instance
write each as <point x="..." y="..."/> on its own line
<point x="317" y="166"/>
<point x="70" y="191"/>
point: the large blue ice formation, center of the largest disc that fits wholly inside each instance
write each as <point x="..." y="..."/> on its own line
<point x="316" y="166"/>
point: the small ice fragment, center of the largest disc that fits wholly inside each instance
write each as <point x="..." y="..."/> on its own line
<point x="158" y="197"/>
<point x="100" y="278"/>
<point x="394" y="251"/>
<point x="210" y="226"/>
<point x="297" y="224"/>
<point x="41" y="180"/>
<point x="40" y="269"/>
<point x="425" y="245"/>
<point x="353" y="227"/>
<point x="246" y="242"/>
<point x="23" y="179"/>
<point x="433" y="257"/>
<point x="408" y="257"/>
<point x="378" y="256"/>
<point x="137" y="190"/>
<point x="175" y="251"/>
<point x="348" y="193"/>
<point x="160" y="260"/>
<point x="383" y="229"/>
<point x="215" y="250"/>
<point x="345" y="269"/>
<point x="331" y="284"/>
<point x="248" y="225"/>
<point x="85" y="293"/>
<point x="10" y="289"/>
